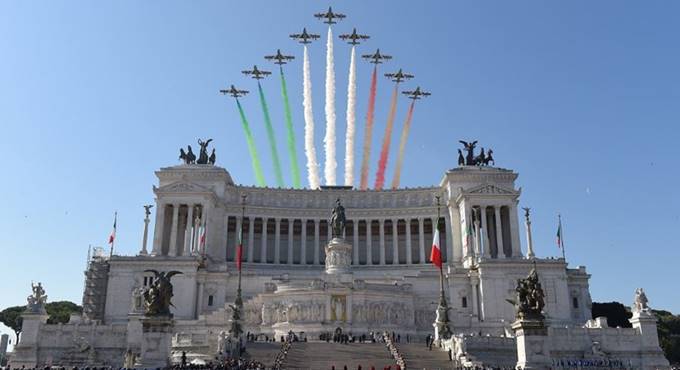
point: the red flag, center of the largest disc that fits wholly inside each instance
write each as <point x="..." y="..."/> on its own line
<point x="201" y="239"/>
<point x="112" y="237"/>
<point x="436" y="253"/>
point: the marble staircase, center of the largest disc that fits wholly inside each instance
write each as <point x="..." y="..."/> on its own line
<point x="323" y="356"/>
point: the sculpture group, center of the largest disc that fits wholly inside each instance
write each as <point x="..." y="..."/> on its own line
<point x="470" y="159"/>
<point x="37" y="300"/>
<point x="157" y="298"/>
<point x="530" y="299"/>
<point x="189" y="157"/>
<point x="338" y="219"/>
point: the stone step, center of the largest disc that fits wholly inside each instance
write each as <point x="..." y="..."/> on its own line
<point x="265" y="352"/>
<point x="418" y="356"/>
<point x="323" y="356"/>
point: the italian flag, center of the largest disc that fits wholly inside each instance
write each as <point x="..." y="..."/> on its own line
<point x="559" y="234"/>
<point x="239" y="249"/>
<point x="112" y="237"/>
<point x="201" y="238"/>
<point x="436" y="253"/>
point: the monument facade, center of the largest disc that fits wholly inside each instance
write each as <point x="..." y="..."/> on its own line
<point x="315" y="261"/>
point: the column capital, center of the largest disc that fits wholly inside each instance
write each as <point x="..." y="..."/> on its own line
<point x="381" y="221"/>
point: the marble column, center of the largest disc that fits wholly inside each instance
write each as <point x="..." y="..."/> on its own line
<point x="499" y="232"/>
<point x="485" y="234"/>
<point x="226" y="237"/>
<point x="199" y="300"/>
<point x="449" y="258"/>
<point x="173" y="230"/>
<point x="514" y="232"/>
<point x="291" y="223"/>
<point x="145" y="236"/>
<point x="421" y="240"/>
<point x="303" y="242"/>
<point x="189" y="230"/>
<point x="263" y="245"/>
<point x="158" y="229"/>
<point x="277" y="241"/>
<point x="530" y="244"/>
<point x="316" y="242"/>
<point x="409" y="253"/>
<point x="251" y="238"/>
<point x="207" y="228"/>
<point x="395" y="242"/>
<point x="457" y="233"/>
<point x="369" y="242"/>
<point x="355" y="240"/>
<point x="382" y="241"/>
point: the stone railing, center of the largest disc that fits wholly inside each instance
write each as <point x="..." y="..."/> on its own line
<point x="280" y="358"/>
<point x="394" y="351"/>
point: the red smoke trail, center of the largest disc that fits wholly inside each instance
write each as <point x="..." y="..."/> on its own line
<point x="368" y="130"/>
<point x="384" y="151"/>
<point x="402" y="145"/>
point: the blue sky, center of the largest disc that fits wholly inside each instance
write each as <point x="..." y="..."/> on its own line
<point x="579" y="97"/>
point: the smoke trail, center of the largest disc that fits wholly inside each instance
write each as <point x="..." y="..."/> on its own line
<point x="351" y="119"/>
<point x="271" y="137"/>
<point x="402" y="145"/>
<point x="384" y="151"/>
<point x="329" y="140"/>
<point x="257" y="168"/>
<point x="368" y="130"/>
<point x="310" y="149"/>
<point x="295" y="171"/>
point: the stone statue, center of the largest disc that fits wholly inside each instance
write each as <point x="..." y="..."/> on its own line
<point x="37" y="300"/>
<point x="530" y="298"/>
<point x="479" y="160"/>
<point x="470" y="148"/>
<point x="461" y="159"/>
<point x="157" y="298"/>
<point x="137" y="299"/>
<point x="640" y="303"/>
<point x="489" y="158"/>
<point x="129" y="359"/>
<point x="526" y="213"/>
<point x="212" y="158"/>
<point x="222" y="342"/>
<point x="203" y="154"/>
<point x="235" y="330"/>
<point x="147" y="210"/>
<point x="191" y="157"/>
<point x="338" y="219"/>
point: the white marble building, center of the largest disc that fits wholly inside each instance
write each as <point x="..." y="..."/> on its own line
<point x="390" y="285"/>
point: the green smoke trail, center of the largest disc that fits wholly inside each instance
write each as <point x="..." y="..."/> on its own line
<point x="272" y="139"/>
<point x="257" y="168"/>
<point x="295" y="171"/>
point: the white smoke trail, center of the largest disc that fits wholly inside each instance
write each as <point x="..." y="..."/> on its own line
<point x="310" y="149"/>
<point x="351" y="119"/>
<point x="329" y="139"/>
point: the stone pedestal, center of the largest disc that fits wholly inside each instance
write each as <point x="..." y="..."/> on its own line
<point x="533" y="344"/>
<point x="27" y="349"/>
<point x="338" y="256"/>
<point x="156" y="342"/>
<point x="652" y="355"/>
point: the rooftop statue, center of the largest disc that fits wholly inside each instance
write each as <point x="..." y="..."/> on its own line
<point x="338" y="219"/>
<point x="203" y="155"/>
<point x="187" y="157"/>
<point x="530" y="298"/>
<point x="640" y="304"/>
<point x="37" y="300"/>
<point x="483" y="159"/>
<point x="157" y="298"/>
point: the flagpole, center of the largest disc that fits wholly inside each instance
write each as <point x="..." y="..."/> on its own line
<point x="443" y="331"/>
<point x="239" y="300"/>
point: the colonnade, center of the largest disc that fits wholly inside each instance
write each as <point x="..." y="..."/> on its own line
<point x="179" y="227"/>
<point x="494" y="232"/>
<point x="380" y="241"/>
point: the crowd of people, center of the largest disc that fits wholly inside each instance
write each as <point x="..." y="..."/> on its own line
<point x="394" y="351"/>
<point x="280" y="358"/>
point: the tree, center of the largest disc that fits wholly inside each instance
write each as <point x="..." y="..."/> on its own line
<point x="60" y="312"/>
<point x="616" y="313"/>
<point x="11" y="317"/>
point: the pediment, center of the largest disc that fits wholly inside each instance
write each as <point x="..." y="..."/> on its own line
<point x="183" y="187"/>
<point x="491" y="189"/>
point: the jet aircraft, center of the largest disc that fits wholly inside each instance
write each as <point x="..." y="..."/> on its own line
<point x="279" y="58"/>
<point x="399" y="76"/>
<point x="329" y="16"/>
<point x="416" y="94"/>
<point x="304" y="37"/>
<point x="376" y="58"/>
<point x="354" y="37"/>
<point x="236" y="93"/>
<point x="256" y="73"/>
